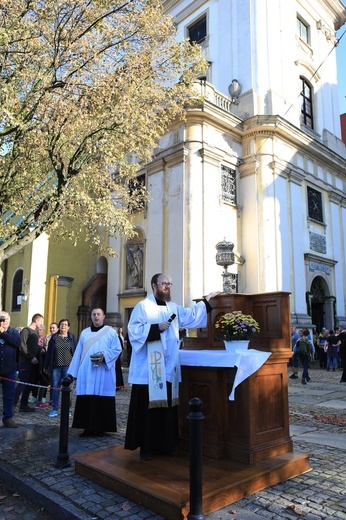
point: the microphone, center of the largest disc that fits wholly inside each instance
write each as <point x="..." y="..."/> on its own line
<point x="172" y="317"/>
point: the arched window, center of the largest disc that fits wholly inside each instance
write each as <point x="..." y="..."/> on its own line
<point x="306" y="103"/>
<point x="16" y="290"/>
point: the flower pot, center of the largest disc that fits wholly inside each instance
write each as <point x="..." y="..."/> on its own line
<point x="239" y="344"/>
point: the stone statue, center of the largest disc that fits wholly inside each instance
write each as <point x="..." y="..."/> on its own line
<point x="134" y="256"/>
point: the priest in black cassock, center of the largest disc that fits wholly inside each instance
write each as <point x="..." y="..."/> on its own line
<point x="154" y="371"/>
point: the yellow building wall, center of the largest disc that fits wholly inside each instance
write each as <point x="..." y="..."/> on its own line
<point x="68" y="271"/>
<point x="21" y="260"/>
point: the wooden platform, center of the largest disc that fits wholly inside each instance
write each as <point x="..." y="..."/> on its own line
<point x="162" y="484"/>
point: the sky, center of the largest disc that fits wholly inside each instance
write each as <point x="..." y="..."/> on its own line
<point x="341" y="60"/>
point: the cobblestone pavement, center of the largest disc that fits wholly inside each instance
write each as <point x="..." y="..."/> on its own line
<point x="34" y="489"/>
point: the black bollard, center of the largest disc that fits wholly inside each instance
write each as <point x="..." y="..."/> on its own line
<point x="196" y="497"/>
<point x="63" y="458"/>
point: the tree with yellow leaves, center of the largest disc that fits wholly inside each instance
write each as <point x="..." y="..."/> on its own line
<point x="86" y="89"/>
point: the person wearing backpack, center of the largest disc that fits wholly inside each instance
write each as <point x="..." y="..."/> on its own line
<point x="303" y="350"/>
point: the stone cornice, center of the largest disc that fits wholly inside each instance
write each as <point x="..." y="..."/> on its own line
<point x="337" y="198"/>
<point x="287" y="170"/>
<point x="169" y="4"/>
<point x="337" y="11"/>
<point x="334" y="8"/>
<point x="184" y="13"/>
<point x="63" y="281"/>
<point x="208" y="112"/>
<point x="296" y="176"/>
<point x="320" y="259"/>
<point x="168" y="157"/>
<point x="211" y="156"/>
<point x="279" y="127"/>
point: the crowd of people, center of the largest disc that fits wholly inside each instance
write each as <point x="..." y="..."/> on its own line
<point x="327" y="347"/>
<point x="37" y="364"/>
<point x="33" y="365"/>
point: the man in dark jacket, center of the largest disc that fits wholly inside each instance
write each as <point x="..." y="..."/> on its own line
<point x="29" y="355"/>
<point x="9" y="348"/>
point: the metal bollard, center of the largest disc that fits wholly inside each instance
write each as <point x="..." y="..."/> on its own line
<point x="196" y="497"/>
<point x="63" y="458"/>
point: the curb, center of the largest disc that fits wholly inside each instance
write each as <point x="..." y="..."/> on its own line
<point x="53" y="503"/>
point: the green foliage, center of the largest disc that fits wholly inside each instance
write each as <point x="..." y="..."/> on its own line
<point x="87" y="88"/>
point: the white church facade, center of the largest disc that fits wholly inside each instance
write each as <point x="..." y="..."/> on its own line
<point x="259" y="163"/>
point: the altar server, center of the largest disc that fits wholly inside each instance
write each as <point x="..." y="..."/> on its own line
<point x="93" y="364"/>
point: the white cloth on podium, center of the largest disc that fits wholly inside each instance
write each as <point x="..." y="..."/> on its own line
<point x="246" y="361"/>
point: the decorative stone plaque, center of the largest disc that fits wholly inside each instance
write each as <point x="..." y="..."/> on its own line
<point x="318" y="242"/>
<point x="317" y="266"/>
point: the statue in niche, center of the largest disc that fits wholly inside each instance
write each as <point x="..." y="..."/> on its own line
<point x="134" y="257"/>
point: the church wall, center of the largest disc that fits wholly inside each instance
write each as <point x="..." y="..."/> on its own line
<point x="282" y="218"/>
<point x="341" y="282"/>
<point x="20" y="260"/>
<point x="175" y="257"/>
<point x="269" y="225"/>
<point x="250" y="216"/>
<point x="115" y="275"/>
<point x="220" y="220"/>
<point x="33" y="261"/>
<point x="68" y="271"/>
<point x="336" y="233"/>
<point x="211" y="219"/>
<point x="194" y="217"/>
<point x="37" y="276"/>
<point x="256" y="42"/>
<point x="155" y="225"/>
<point x="298" y="238"/>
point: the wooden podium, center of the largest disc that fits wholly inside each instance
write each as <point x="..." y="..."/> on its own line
<point x="246" y="442"/>
<point x="255" y="426"/>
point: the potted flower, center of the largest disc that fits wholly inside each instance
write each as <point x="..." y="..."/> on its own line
<point x="237" y="327"/>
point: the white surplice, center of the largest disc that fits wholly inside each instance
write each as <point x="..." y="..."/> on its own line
<point x="96" y="380"/>
<point x="147" y="313"/>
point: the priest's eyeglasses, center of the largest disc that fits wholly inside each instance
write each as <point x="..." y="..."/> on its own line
<point x="165" y="284"/>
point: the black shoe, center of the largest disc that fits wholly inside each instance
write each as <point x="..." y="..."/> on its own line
<point x="294" y="376"/>
<point x="308" y="379"/>
<point x="87" y="433"/>
<point x="145" y="455"/>
<point x="27" y="408"/>
<point x="303" y="381"/>
<point x="9" y="423"/>
<point x="342" y="380"/>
